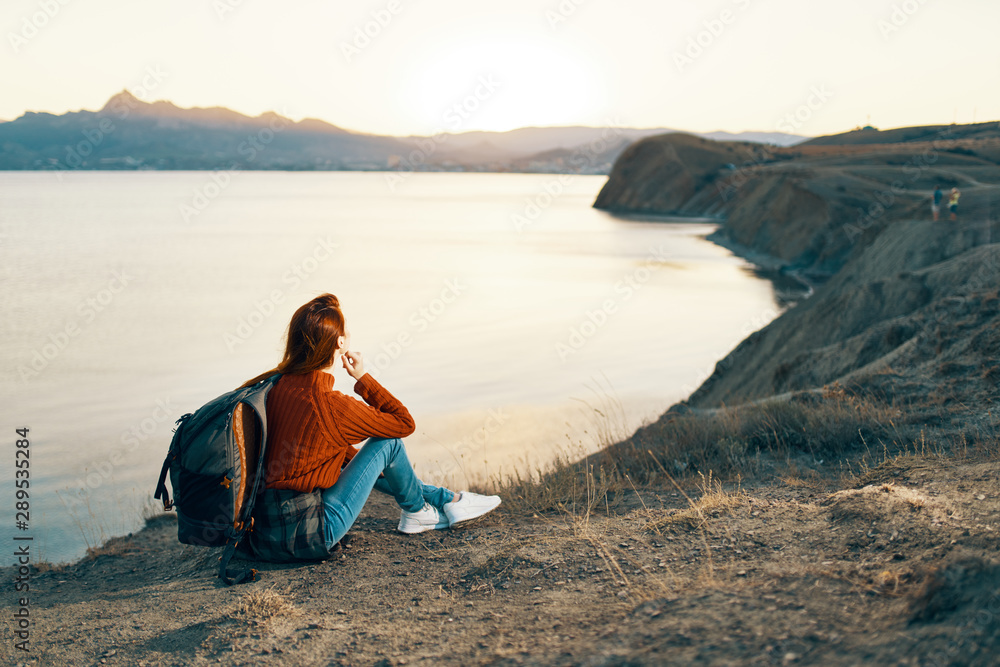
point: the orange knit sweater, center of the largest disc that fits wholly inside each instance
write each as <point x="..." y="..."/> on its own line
<point x="311" y="427"/>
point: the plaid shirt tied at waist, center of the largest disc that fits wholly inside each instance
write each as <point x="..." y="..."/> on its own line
<point x="288" y="526"/>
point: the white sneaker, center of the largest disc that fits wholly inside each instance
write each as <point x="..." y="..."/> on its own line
<point x="427" y="518"/>
<point x="470" y="506"/>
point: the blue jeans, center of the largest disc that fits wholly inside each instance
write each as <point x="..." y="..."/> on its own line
<point x="343" y="501"/>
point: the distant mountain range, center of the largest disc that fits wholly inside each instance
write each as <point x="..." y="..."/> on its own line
<point x="128" y="133"/>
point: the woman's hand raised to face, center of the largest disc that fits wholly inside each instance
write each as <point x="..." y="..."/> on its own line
<point x="354" y="364"/>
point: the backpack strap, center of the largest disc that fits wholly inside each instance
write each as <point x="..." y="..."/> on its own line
<point x="227" y="555"/>
<point x="161" y="486"/>
<point x="235" y="537"/>
<point x="256" y="402"/>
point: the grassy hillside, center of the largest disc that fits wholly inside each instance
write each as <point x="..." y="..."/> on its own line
<point x="813" y="207"/>
<point x="976" y="131"/>
<point x="828" y="497"/>
<point x="906" y="308"/>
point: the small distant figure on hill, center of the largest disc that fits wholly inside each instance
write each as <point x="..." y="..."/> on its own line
<point x="936" y="202"/>
<point x="953" y="203"/>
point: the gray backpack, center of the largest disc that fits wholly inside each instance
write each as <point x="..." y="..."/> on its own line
<point x="215" y="463"/>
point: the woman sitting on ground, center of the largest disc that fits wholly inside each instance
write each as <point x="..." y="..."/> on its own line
<point x="312" y="427"/>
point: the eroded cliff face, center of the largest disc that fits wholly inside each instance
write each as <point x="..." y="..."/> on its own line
<point x="812" y="208"/>
<point x="909" y="306"/>
<point x="907" y="324"/>
<point x="663" y="173"/>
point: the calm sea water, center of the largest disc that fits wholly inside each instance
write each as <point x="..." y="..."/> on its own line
<point x="499" y="313"/>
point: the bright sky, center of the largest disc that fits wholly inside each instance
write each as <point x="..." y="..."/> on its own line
<point x="428" y="65"/>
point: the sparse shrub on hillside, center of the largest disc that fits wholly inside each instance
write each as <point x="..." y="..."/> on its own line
<point x="747" y="439"/>
<point x="744" y="441"/>
<point x="259" y="606"/>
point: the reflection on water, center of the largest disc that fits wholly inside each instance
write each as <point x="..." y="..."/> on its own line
<point x="124" y="310"/>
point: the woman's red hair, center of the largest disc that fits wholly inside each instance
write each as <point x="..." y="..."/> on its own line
<point x="312" y="338"/>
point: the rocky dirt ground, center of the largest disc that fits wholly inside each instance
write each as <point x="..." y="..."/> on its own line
<point x="897" y="566"/>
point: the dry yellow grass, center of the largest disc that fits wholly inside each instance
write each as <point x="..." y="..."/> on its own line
<point x="714" y="500"/>
<point x="790" y="437"/>
<point x="259" y="606"/>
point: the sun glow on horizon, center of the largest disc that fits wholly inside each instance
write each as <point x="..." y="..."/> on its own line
<point x="499" y="85"/>
<point x="456" y="66"/>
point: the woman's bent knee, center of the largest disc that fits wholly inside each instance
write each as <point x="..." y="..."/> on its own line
<point x="384" y="442"/>
<point x="391" y="446"/>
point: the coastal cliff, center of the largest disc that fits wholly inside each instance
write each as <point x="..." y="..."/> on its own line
<point x="906" y="306"/>
<point x="854" y="524"/>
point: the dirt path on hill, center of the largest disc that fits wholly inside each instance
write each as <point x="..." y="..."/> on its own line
<point x="900" y="569"/>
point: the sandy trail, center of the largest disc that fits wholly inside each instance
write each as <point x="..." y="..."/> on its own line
<point x="898" y="569"/>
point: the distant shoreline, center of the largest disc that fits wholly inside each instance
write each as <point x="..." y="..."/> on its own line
<point x="772" y="268"/>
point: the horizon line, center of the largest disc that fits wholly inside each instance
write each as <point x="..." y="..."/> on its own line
<point x="404" y="136"/>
